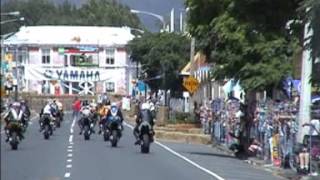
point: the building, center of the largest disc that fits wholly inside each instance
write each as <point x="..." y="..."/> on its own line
<point x="208" y="87"/>
<point x="71" y="59"/>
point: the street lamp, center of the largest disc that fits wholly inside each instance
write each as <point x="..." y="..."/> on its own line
<point x="151" y="14"/>
<point x="15" y="13"/>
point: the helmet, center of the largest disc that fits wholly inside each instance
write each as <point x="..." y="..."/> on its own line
<point x="113" y="104"/>
<point x="85" y="103"/>
<point x="145" y="106"/>
<point x="49" y="101"/>
<point x="15" y="105"/>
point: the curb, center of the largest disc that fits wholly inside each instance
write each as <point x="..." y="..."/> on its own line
<point x="184" y="133"/>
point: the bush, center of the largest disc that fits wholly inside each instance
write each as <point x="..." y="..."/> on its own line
<point x="182" y="118"/>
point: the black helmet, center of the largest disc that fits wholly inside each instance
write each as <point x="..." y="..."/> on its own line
<point x="85" y="103"/>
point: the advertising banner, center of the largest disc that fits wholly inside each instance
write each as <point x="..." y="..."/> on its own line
<point x="71" y="74"/>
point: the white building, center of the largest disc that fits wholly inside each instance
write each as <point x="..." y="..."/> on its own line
<point x="72" y="59"/>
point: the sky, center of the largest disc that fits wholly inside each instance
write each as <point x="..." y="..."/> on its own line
<point x="161" y="7"/>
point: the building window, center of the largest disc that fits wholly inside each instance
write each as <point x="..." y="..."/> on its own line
<point x="110" y="87"/>
<point x="110" y="56"/>
<point x="84" y="60"/>
<point x="65" y="60"/>
<point x="45" y="56"/>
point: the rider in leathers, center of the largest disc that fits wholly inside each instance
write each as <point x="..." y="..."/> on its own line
<point x="13" y="115"/>
<point x="48" y="109"/>
<point x="84" y="109"/>
<point x="26" y="112"/>
<point x="143" y="115"/>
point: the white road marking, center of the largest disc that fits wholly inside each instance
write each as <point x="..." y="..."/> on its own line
<point x="69" y="166"/>
<point x="69" y="160"/>
<point x="72" y="125"/>
<point x="70" y="147"/>
<point x="183" y="157"/>
<point x="70" y="138"/>
<point x="67" y="175"/>
<point x="70" y="155"/>
<point x="71" y="143"/>
<point x="69" y="150"/>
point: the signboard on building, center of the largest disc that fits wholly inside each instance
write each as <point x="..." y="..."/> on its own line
<point x="70" y="74"/>
<point x="191" y="84"/>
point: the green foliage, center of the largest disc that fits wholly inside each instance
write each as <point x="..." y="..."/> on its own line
<point x="94" y="13"/>
<point x="162" y="54"/>
<point x="246" y="39"/>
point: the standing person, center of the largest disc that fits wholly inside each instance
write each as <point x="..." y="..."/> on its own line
<point x="76" y="107"/>
<point x="196" y="111"/>
<point x="204" y="117"/>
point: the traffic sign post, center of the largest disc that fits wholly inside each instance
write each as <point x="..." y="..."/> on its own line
<point x="191" y="84"/>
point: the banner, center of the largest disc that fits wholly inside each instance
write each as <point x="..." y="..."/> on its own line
<point x="70" y="74"/>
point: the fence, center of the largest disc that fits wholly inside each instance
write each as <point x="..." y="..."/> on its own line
<point x="271" y="132"/>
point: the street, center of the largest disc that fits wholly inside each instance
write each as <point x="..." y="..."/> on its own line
<point x="67" y="156"/>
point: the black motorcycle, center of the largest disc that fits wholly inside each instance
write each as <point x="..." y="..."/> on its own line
<point x="13" y="132"/>
<point x="146" y="136"/>
<point x="87" y="125"/>
<point x="47" y="125"/>
<point x="113" y="128"/>
<point x="57" y="119"/>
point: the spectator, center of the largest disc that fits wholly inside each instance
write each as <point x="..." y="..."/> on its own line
<point x="196" y="111"/>
<point x="204" y="117"/>
<point x="76" y="106"/>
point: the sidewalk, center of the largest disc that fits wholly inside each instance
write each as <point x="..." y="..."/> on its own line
<point x="184" y="133"/>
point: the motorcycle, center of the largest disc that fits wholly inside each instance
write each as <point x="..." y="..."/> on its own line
<point x="48" y="126"/>
<point x="87" y="125"/>
<point x="13" y="133"/>
<point x="146" y="136"/>
<point x="57" y="119"/>
<point x="25" y="121"/>
<point x="113" y="128"/>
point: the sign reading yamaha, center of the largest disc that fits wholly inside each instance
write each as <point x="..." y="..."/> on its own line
<point x="67" y="74"/>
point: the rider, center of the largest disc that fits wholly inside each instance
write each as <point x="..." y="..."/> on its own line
<point x="60" y="108"/>
<point x="49" y="109"/>
<point x="94" y="113"/>
<point x="104" y="107"/>
<point x="85" y="109"/>
<point x="13" y="115"/>
<point x="143" y="115"/>
<point x="26" y="112"/>
<point x="118" y="113"/>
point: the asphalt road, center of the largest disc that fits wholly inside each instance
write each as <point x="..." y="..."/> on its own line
<point x="67" y="156"/>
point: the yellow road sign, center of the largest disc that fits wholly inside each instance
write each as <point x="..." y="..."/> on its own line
<point x="8" y="57"/>
<point x="191" y="84"/>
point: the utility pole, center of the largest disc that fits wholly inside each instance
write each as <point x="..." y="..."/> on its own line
<point x="305" y="97"/>
<point x="172" y="21"/>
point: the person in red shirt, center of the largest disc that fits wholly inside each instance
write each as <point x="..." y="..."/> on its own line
<point x="76" y="106"/>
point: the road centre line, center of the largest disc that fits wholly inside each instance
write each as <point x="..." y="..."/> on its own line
<point x="183" y="157"/>
<point x="67" y="175"/>
<point x="70" y="138"/>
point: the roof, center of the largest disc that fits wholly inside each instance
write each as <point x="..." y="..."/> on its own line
<point x="71" y="35"/>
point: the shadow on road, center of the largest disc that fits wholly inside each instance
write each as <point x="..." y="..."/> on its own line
<point x="212" y="154"/>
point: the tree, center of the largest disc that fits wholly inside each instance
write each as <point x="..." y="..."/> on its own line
<point x="94" y="13"/>
<point x="246" y="39"/>
<point x="161" y="55"/>
<point x="313" y="16"/>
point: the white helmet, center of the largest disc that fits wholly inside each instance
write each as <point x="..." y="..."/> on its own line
<point x="145" y="106"/>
